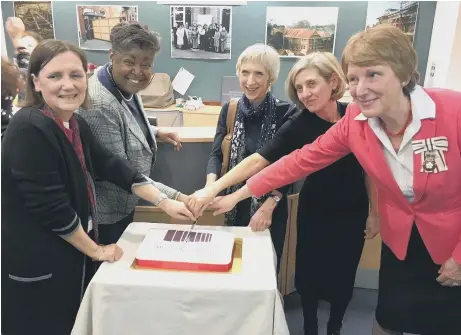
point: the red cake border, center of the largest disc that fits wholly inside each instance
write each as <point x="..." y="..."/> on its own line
<point x="186" y="266"/>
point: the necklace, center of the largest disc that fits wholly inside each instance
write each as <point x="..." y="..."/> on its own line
<point x="109" y="71"/>
<point x="400" y="133"/>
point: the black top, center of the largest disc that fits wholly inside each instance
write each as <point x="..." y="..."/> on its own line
<point x="7" y="110"/>
<point x="45" y="192"/>
<point x="341" y="183"/>
<point x="252" y="133"/>
<point x="45" y="196"/>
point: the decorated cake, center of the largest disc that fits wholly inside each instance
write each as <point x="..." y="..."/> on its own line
<point x="202" y="250"/>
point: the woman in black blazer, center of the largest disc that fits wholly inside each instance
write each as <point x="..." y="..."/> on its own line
<point x="49" y="162"/>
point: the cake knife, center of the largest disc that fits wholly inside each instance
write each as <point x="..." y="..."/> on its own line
<point x="188" y="233"/>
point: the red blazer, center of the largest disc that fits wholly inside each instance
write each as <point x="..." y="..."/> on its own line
<point x="436" y="209"/>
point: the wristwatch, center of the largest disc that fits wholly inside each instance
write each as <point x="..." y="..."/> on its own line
<point x="160" y="198"/>
<point x="276" y="195"/>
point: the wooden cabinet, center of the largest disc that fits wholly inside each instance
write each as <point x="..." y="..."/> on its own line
<point x="155" y="214"/>
<point x="204" y="117"/>
<point x="200" y="119"/>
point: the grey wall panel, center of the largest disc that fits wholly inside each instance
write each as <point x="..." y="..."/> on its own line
<point x="248" y="27"/>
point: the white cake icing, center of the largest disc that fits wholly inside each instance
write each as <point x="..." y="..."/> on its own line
<point x="204" y="246"/>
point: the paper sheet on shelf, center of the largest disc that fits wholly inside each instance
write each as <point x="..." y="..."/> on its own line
<point x="182" y="81"/>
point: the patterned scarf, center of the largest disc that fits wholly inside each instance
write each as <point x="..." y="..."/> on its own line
<point x="245" y="111"/>
<point x="73" y="135"/>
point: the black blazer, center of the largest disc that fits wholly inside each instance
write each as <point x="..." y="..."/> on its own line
<point x="44" y="196"/>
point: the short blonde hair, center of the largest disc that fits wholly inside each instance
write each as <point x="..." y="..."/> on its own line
<point x="326" y="64"/>
<point x="384" y="44"/>
<point x="263" y="54"/>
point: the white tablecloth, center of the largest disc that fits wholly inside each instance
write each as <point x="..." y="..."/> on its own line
<point x="124" y="301"/>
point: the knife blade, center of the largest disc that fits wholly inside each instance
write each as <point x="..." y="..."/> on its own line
<point x="188" y="233"/>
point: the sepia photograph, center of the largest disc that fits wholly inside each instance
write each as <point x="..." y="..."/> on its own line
<point x="401" y="14"/>
<point x="201" y="32"/>
<point x="298" y="31"/>
<point x="95" y="23"/>
<point x="37" y="17"/>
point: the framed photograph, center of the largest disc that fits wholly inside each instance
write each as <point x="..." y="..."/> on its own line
<point x="203" y="2"/>
<point x="298" y="31"/>
<point x="37" y="17"/>
<point x="95" y="23"/>
<point x="401" y="14"/>
<point x="201" y="32"/>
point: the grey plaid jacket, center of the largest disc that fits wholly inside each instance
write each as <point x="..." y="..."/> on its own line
<point x="115" y="127"/>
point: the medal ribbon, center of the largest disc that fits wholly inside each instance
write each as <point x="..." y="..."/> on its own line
<point x="434" y="146"/>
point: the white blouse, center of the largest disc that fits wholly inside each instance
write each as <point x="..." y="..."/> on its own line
<point x="401" y="162"/>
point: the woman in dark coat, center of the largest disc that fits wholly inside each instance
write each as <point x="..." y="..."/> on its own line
<point x="49" y="162"/>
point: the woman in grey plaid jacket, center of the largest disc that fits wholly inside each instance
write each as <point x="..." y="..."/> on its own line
<point x="118" y="120"/>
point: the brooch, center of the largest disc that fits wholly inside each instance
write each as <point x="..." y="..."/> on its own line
<point x="432" y="153"/>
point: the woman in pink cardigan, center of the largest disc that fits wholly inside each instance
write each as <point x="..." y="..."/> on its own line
<point x="408" y="140"/>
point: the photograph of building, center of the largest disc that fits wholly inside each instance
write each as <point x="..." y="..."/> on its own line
<point x="201" y="32"/>
<point x="401" y="14"/>
<point x="298" y="31"/>
<point x="95" y="23"/>
<point x="37" y="17"/>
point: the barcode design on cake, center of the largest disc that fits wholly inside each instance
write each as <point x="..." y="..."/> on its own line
<point x="181" y="235"/>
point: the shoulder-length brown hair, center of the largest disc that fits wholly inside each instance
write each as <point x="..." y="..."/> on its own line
<point x="43" y="53"/>
<point x="11" y="77"/>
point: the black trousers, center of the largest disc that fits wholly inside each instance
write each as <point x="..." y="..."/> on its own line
<point x="111" y="233"/>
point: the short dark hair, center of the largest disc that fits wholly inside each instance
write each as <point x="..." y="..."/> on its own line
<point x="43" y="53"/>
<point x="128" y="35"/>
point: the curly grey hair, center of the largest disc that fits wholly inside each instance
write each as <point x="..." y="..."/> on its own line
<point x="126" y="36"/>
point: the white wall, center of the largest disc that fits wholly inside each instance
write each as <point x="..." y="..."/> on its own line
<point x="2" y="33"/>
<point x="445" y="49"/>
<point x="454" y="74"/>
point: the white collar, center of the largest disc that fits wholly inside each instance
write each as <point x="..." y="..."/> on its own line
<point x="421" y="105"/>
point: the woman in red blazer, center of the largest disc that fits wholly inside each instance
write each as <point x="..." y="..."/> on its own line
<point x="408" y="140"/>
